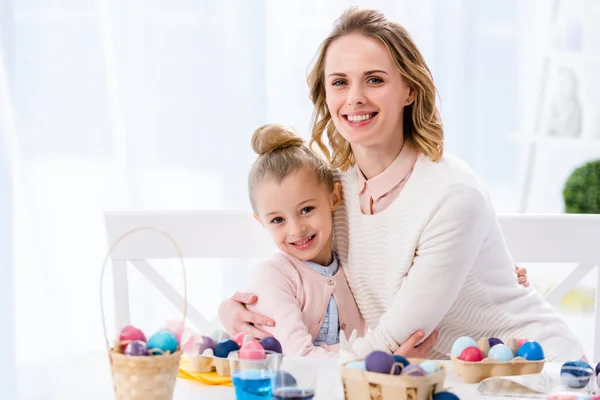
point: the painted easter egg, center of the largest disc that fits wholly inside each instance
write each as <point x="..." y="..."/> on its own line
<point x="462" y="343"/>
<point x="501" y="352"/>
<point x="136" y="348"/>
<point x="597" y="369"/>
<point x="494" y="341"/>
<point x="162" y="342"/>
<point x="576" y="374"/>
<point x="472" y="354"/>
<point x="129" y="334"/>
<point x="222" y="349"/>
<point x="414" y="370"/>
<point x="531" y="351"/>
<point x="401" y="360"/>
<point x="520" y="342"/>
<point x="380" y="361"/>
<point x="272" y="344"/>
<point x="445" y="396"/>
<point x="357" y="365"/>
<point x="252" y="351"/>
<point x="205" y="342"/>
<point x="484" y="346"/>
<point x="430" y="366"/>
<point x="283" y="378"/>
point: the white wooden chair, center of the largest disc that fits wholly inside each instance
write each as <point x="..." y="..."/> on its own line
<point x="562" y="238"/>
<point x="198" y="234"/>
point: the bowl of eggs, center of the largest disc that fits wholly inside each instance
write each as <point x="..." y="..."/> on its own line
<point x="213" y="351"/>
<point x="475" y="361"/>
<point x="384" y="376"/>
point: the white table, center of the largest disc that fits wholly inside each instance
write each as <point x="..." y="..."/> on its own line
<point x="90" y="379"/>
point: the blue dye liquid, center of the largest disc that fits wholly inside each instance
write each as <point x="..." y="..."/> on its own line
<point x="252" y="385"/>
<point x="293" y="393"/>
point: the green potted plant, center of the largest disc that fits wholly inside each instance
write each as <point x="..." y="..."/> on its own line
<point x="582" y="190"/>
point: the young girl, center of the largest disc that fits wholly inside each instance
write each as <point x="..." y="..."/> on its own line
<point x="304" y="288"/>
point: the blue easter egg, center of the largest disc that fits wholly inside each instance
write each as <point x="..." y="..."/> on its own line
<point x="222" y="349"/>
<point x="462" y="343"/>
<point x="430" y="366"/>
<point x="162" y="342"/>
<point x="357" y="365"/>
<point x="531" y="351"/>
<point x="401" y="360"/>
<point x="576" y="374"/>
<point x="501" y="352"/>
<point x="380" y="361"/>
<point x="445" y="396"/>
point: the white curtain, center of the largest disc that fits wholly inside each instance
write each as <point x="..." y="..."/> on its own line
<point x="149" y="104"/>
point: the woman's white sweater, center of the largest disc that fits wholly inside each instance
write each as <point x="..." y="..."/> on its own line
<point x="436" y="258"/>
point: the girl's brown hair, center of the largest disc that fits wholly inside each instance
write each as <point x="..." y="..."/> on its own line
<point x="422" y="123"/>
<point x="282" y="152"/>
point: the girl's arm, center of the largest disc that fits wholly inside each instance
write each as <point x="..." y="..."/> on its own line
<point x="275" y="287"/>
<point x="446" y="252"/>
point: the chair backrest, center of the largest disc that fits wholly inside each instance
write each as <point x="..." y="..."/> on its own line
<point x="563" y="238"/>
<point x="560" y="238"/>
<point x="199" y="234"/>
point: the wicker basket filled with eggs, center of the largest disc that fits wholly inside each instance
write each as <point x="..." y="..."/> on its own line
<point x="476" y="361"/>
<point x="143" y="367"/>
<point x="392" y="377"/>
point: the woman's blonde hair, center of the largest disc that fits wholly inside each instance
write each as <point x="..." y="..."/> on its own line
<point x="280" y="153"/>
<point x="422" y="123"/>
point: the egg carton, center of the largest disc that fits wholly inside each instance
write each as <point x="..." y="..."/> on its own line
<point x="208" y="363"/>
<point x="475" y="372"/>
<point x="359" y="384"/>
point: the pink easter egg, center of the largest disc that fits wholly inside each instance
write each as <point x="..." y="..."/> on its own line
<point x="252" y="351"/>
<point x="129" y="334"/>
<point x="521" y="341"/>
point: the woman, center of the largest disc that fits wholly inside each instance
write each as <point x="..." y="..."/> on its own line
<point x="417" y="232"/>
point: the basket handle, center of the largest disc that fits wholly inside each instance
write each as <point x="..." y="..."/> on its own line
<point x="114" y="245"/>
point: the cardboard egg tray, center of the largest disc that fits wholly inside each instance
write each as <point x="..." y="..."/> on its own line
<point x="360" y="385"/>
<point x="474" y="372"/>
<point x="206" y="363"/>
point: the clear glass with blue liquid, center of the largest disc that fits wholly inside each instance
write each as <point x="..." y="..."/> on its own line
<point x="295" y="380"/>
<point x="252" y="378"/>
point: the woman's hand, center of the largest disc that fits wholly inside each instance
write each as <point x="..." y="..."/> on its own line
<point x="412" y="350"/>
<point x="522" y="276"/>
<point x="236" y="318"/>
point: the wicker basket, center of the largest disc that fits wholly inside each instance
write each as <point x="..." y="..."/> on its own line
<point x="363" y="385"/>
<point x="145" y="377"/>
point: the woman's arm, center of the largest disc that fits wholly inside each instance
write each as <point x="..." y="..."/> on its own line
<point x="447" y="249"/>
<point x="276" y="293"/>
